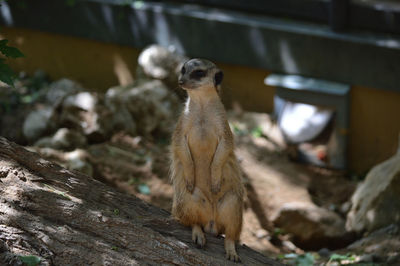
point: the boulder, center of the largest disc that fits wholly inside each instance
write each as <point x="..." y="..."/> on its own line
<point x="86" y="112"/>
<point x="78" y="160"/>
<point x="83" y="100"/>
<point x="58" y="90"/>
<point x="38" y="123"/>
<point x="63" y="139"/>
<point x="158" y="62"/>
<point x="150" y="104"/>
<point x="375" y="203"/>
<point x="312" y="226"/>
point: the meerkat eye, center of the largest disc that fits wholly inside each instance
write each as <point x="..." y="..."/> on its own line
<point x="183" y="71"/>
<point x="197" y="74"/>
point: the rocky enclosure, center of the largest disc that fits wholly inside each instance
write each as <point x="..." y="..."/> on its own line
<point x="121" y="137"/>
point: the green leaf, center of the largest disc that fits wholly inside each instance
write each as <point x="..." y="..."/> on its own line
<point x="30" y="260"/>
<point x="305" y="260"/>
<point x="144" y="189"/>
<point x="339" y="258"/>
<point x="9" y="51"/>
<point x="6" y="74"/>
<point x="257" y="132"/>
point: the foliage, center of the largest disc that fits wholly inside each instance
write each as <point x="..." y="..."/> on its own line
<point x="342" y="258"/>
<point x="30" y="260"/>
<point x="306" y="259"/>
<point x="6" y="74"/>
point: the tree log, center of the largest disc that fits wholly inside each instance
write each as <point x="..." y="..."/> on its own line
<point x="68" y="218"/>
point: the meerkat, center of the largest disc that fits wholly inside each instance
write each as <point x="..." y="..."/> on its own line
<point x="208" y="188"/>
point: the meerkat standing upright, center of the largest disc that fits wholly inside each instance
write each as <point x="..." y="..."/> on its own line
<point x="208" y="190"/>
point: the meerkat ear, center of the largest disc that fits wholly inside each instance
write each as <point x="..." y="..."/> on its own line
<point x="218" y="77"/>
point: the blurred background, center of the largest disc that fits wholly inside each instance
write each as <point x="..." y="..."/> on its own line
<point x="311" y="88"/>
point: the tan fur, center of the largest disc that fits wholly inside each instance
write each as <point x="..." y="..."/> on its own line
<point x="208" y="190"/>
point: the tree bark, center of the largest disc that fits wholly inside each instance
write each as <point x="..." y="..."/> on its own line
<point x="67" y="218"/>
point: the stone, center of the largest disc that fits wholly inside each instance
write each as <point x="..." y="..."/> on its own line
<point x="87" y="112"/>
<point x="375" y="203"/>
<point x="324" y="252"/>
<point x="84" y="100"/>
<point x="311" y="225"/>
<point x="158" y="62"/>
<point x="63" y="139"/>
<point x="38" y="123"/>
<point x="76" y="160"/>
<point x="150" y="105"/>
<point x="58" y="90"/>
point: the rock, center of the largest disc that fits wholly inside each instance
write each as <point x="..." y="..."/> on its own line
<point x="157" y="62"/>
<point x="60" y="89"/>
<point x="382" y="243"/>
<point x="84" y="100"/>
<point x="366" y="258"/>
<point x="151" y="106"/>
<point x="87" y="112"/>
<point x="324" y="252"/>
<point x="63" y="139"/>
<point x="76" y="160"/>
<point x="375" y="203"/>
<point x="261" y="233"/>
<point x="38" y="123"/>
<point x="122" y="119"/>
<point x="311" y="226"/>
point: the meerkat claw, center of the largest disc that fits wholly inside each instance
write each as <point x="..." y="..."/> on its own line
<point x="232" y="257"/>
<point x="198" y="236"/>
<point x="190" y="186"/>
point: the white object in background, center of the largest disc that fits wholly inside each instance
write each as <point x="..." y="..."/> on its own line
<point x="301" y="122"/>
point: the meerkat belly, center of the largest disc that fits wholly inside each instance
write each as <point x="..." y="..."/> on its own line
<point x="202" y="143"/>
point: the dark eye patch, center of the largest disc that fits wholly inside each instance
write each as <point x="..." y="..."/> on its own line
<point x="183" y="70"/>
<point x="198" y="74"/>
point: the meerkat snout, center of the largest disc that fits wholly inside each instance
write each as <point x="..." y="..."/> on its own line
<point x="197" y="73"/>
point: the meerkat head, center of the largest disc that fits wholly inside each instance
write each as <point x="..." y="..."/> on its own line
<point x="197" y="74"/>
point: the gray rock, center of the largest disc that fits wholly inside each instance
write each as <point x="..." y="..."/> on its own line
<point x="311" y="226"/>
<point x="122" y="120"/>
<point x="375" y="203"/>
<point x="157" y="62"/>
<point x="151" y="105"/>
<point x="63" y="139"/>
<point x="38" y="123"/>
<point x="60" y="89"/>
<point x="87" y="112"/>
<point x="324" y="252"/>
<point x="84" y="100"/>
<point x="77" y="160"/>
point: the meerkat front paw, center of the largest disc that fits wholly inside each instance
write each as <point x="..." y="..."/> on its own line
<point x="198" y="236"/>
<point x="190" y="185"/>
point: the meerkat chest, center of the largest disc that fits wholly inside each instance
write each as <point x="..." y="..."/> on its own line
<point x="203" y="134"/>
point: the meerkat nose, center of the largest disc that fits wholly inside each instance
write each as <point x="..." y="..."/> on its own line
<point x="180" y="82"/>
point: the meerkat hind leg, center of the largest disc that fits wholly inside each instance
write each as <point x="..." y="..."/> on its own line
<point x="198" y="236"/>
<point x="230" y="218"/>
<point x="230" y="250"/>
